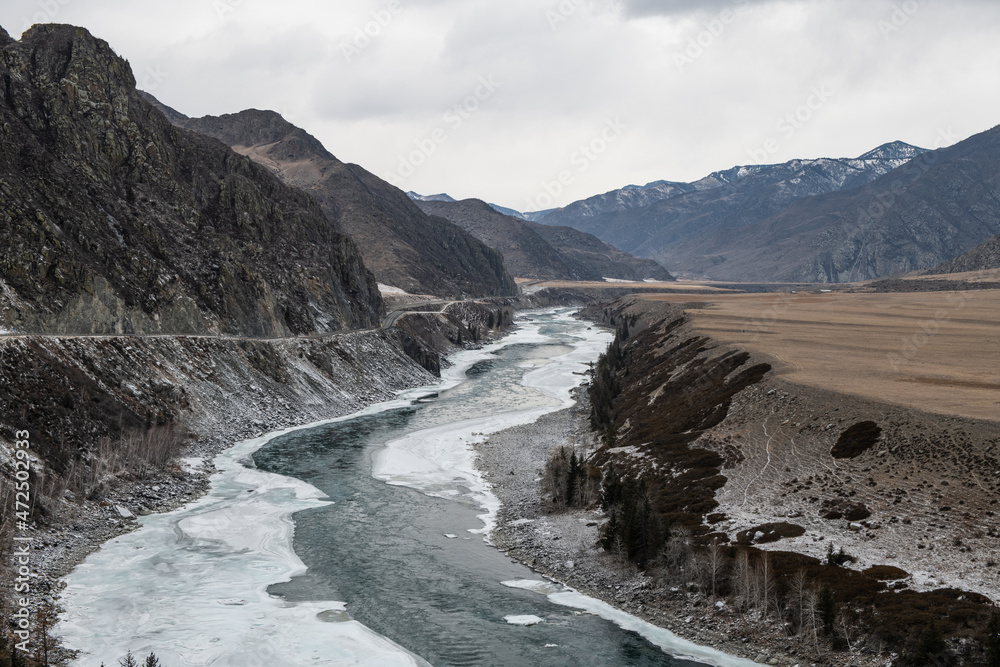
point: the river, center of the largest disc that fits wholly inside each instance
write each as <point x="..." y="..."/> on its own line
<point x="359" y="541"/>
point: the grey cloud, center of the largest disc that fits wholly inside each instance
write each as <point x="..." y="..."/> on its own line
<point x="680" y="7"/>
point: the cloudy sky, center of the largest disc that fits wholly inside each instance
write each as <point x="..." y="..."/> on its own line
<point x="535" y="103"/>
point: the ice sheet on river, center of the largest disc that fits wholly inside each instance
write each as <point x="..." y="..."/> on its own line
<point x="666" y="640"/>
<point x="440" y="461"/>
<point x="191" y="585"/>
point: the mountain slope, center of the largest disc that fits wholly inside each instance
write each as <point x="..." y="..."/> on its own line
<point x="981" y="258"/>
<point x="401" y="245"/>
<point x="525" y="253"/>
<point x="537" y="251"/>
<point x="586" y="254"/>
<point x="722" y="201"/>
<point x="935" y="208"/>
<point x="116" y="221"/>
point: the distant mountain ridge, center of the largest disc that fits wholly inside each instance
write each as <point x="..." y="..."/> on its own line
<point x="544" y="252"/>
<point x="400" y="244"/>
<point x="648" y="220"/>
<point x="438" y="197"/>
<point x="934" y="208"/>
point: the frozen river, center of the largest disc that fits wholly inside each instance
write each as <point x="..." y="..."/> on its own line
<point x="385" y="562"/>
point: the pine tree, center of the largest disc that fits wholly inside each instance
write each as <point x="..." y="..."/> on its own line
<point x="128" y="660"/>
<point x="151" y="660"/>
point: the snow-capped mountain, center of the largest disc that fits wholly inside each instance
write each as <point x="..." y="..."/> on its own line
<point x="438" y="197"/>
<point x="650" y="220"/>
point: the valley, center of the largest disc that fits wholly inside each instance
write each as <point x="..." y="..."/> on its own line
<point x="261" y="406"/>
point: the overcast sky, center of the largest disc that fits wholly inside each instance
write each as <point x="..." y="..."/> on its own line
<point x="534" y="103"/>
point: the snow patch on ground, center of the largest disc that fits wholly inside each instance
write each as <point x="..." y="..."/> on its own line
<point x="192" y="464"/>
<point x="389" y="289"/>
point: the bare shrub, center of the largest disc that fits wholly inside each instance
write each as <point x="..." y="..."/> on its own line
<point x="136" y="453"/>
<point x="556" y="474"/>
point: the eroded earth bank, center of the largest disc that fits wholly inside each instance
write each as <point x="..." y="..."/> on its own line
<point x="772" y="520"/>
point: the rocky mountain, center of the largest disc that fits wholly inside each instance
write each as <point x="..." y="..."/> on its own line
<point x="438" y="197"/>
<point x="400" y="244"/>
<point x="533" y="216"/>
<point x="116" y="221"/>
<point x="623" y="199"/>
<point x="531" y="250"/>
<point x="586" y="254"/>
<point x="650" y="221"/>
<point x="936" y="207"/>
<point x="981" y="258"/>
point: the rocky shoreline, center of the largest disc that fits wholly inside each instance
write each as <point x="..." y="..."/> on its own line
<point x="228" y="413"/>
<point x="562" y="545"/>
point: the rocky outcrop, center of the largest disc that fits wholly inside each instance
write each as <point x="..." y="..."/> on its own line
<point x="117" y="222"/>
<point x="69" y="393"/>
<point x="881" y="504"/>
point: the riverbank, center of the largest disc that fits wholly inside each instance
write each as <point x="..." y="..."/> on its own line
<point x="562" y="544"/>
<point x="734" y="451"/>
<point x="223" y="392"/>
<point x="98" y="590"/>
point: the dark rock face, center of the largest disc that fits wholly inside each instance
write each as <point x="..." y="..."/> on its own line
<point x="525" y="253"/>
<point x="532" y="250"/>
<point x="116" y="221"/>
<point x="402" y="245"/>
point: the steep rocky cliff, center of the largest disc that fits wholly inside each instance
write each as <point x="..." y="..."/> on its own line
<point x="401" y="245"/>
<point x="116" y="221"/>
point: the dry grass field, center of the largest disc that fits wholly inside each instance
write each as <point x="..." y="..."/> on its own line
<point x="933" y="351"/>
